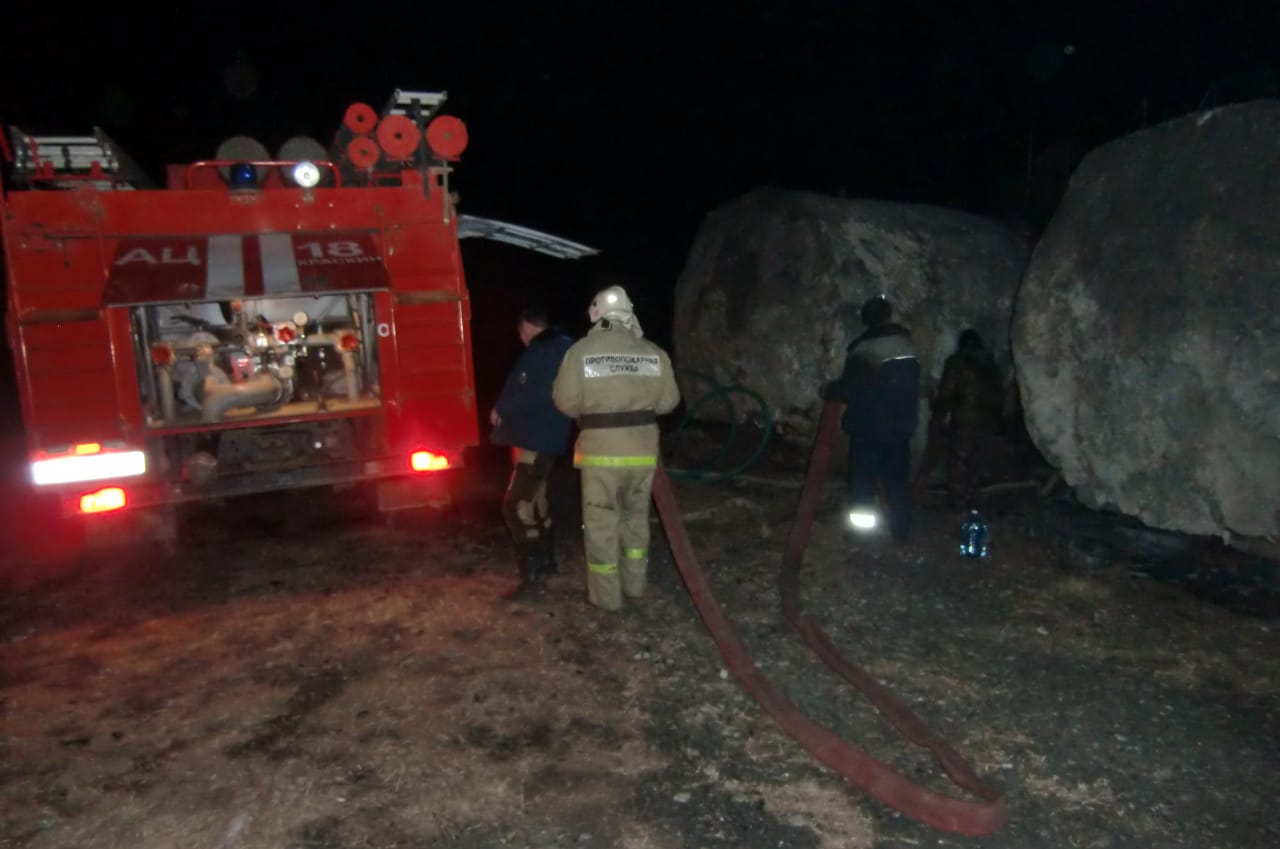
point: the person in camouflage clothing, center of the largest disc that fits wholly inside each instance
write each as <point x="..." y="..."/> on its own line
<point x="967" y="408"/>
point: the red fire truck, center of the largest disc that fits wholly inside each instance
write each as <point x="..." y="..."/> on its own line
<point x="259" y="323"/>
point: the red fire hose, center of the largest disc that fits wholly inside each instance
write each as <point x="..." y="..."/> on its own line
<point x="877" y="779"/>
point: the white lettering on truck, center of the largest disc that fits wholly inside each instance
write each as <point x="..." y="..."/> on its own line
<point x="168" y="256"/>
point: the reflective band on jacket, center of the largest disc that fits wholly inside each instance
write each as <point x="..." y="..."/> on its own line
<point x="603" y="568"/>
<point x="614" y="462"/>
<point x="635" y="553"/>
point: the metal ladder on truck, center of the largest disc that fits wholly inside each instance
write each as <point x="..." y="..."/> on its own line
<point x="71" y="161"/>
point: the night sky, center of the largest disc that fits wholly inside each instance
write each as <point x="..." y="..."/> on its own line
<point x="622" y="129"/>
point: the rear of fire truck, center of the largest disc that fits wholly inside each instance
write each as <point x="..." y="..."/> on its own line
<point x="257" y="324"/>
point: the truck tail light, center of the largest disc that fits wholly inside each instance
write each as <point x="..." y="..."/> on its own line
<point x="84" y="463"/>
<point x="348" y="342"/>
<point x="103" y="501"/>
<point x="427" y="461"/>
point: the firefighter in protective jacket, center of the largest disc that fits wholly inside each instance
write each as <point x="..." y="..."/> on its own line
<point x="615" y="383"/>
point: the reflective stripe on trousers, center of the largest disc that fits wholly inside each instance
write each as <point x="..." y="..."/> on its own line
<point x="600" y="461"/>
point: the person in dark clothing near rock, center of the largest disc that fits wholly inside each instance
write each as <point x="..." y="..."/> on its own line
<point x="525" y="418"/>
<point x="880" y="386"/>
<point x="967" y="409"/>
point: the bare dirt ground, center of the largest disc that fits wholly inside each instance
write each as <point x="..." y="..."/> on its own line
<point x="308" y="678"/>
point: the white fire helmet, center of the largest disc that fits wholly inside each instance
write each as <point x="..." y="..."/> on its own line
<point x="613" y="304"/>
<point x="610" y="303"/>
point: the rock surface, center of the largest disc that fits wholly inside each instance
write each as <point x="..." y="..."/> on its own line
<point x="769" y="296"/>
<point x="1147" y="329"/>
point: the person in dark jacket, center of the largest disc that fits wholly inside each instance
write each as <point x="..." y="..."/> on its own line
<point x="967" y="408"/>
<point x="525" y="418"/>
<point x="880" y="386"/>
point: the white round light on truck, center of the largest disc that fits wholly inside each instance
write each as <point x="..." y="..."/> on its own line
<point x="306" y="174"/>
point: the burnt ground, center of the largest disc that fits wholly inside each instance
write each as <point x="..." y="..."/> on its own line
<point x="305" y="673"/>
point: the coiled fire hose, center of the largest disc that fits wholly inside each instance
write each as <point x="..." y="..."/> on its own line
<point x="873" y="777"/>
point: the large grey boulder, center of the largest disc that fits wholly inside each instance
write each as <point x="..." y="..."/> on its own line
<point x="769" y="296"/>
<point x="1147" y="329"/>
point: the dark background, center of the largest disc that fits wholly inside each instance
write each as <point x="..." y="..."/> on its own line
<point x="620" y="125"/>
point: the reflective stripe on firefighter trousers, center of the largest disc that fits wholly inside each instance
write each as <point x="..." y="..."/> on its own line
<point x="600" y="461"/>
<point x="607" y="584"/>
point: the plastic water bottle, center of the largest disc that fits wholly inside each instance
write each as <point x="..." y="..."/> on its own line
<point x="973" y="536"/>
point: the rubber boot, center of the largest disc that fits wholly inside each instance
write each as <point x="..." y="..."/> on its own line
<point x="546" y="562"/>
<point x="531" y="583"/>
<point x="604" y="589"/>
<point x="635" y="577"/>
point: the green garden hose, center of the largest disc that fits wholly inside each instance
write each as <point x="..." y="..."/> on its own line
<point x="712" y="470"/>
